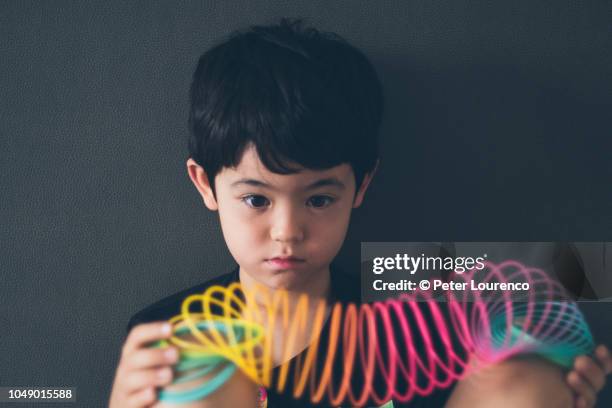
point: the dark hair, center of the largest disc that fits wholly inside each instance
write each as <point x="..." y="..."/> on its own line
<point x="297" y="94"/>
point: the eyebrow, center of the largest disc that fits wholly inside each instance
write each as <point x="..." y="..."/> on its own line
<point x="326" y="182"/>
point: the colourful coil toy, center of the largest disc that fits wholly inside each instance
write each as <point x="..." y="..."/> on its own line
<point x="416" y="343"/>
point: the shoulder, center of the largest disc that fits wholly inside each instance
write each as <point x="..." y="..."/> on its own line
<point x="170" y="306"/>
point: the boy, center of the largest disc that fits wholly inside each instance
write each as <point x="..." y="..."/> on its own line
<point x="284" y="144"/>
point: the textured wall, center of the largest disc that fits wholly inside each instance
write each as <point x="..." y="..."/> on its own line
<point x="497" y="128"/>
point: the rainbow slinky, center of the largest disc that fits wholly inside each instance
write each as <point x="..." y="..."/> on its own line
<point x="423" y="334"/>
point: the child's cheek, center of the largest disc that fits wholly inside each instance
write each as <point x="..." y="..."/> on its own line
<point x="328" y="235"/>
<point x="242" y="232"/>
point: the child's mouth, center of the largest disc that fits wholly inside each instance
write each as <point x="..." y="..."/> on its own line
<point x="285" y="263"/>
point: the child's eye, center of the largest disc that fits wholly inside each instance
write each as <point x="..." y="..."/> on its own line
<point x="320" y="201"/>
<point x="255" y="201"/>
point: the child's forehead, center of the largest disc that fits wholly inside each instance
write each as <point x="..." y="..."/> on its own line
<point x="251" y="167"/>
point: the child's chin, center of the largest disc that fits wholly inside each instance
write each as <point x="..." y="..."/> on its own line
<point x="286" y="280"/>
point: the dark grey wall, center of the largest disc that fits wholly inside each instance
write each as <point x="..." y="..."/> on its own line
<point x="497" y="128"/>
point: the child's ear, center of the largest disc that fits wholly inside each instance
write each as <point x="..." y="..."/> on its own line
<point x="200" y="181"/>
<point x="367" y="178"/>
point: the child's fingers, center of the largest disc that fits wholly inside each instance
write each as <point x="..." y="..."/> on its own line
<point x="582" y="403"/>
<point x="604" y="357"/>
<point x="148" y="358"/>
<point x="135" y="379"/>
<point x="146" y="333"/>
<point x="155" y="377"/>
<point x="142" y="398"/>
<point x="582" y="388"/>
<point x="591" y="372"/>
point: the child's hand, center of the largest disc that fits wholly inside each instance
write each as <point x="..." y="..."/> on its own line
<point x="588" y="376"/>
<point x="142" y="369"/>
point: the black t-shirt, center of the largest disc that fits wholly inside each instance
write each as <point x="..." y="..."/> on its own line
<point x="344" y="289"/>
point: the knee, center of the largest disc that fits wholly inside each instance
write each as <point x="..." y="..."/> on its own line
<point x="518" y="382"/>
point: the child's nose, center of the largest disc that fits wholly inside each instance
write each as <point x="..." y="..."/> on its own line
<point x="286" y="225"/>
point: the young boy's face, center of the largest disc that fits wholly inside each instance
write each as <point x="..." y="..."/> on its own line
<point x="283" y="230"/>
